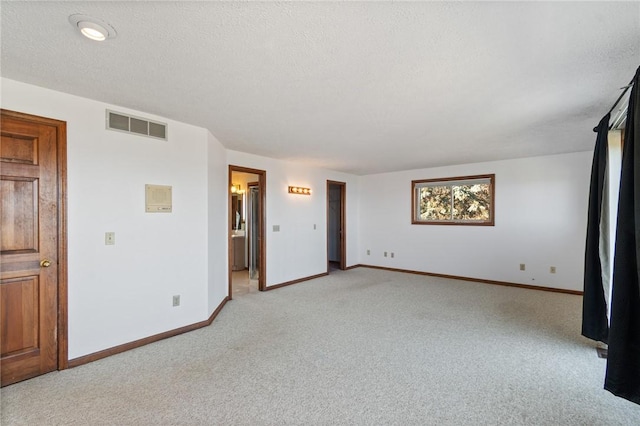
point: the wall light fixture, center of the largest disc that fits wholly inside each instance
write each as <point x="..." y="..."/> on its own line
<point x="299" y="190"/>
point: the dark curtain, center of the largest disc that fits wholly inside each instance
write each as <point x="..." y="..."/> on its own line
<point x="595" y="324"/>
<point x="623" y="360"/>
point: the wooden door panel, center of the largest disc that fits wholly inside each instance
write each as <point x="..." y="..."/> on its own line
<point x="29" y="220"/>
<point x="19" y="219"/>
<point x="17" y="148"/>
<point x="21" y="265"/>
<point x="19" y="320"/>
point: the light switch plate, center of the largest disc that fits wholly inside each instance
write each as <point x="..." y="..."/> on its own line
<point x="109" y="238"/>
<point x="276" y="228"/>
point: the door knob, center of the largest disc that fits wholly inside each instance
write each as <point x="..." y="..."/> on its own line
<point x="45" y="263"/>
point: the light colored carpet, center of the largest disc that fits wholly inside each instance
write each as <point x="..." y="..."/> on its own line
<point x="363" y="347"/>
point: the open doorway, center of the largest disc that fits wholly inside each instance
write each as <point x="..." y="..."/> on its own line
<point x="336" y="230"/>
<point x="246" y="230"/>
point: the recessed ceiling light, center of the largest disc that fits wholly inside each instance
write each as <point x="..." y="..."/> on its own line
<point x="92" y="28"/>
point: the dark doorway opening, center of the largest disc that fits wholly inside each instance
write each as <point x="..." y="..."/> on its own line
<point x="336" y="229"/>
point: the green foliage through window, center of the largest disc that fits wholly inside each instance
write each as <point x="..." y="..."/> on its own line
<point x="464" y="200"/>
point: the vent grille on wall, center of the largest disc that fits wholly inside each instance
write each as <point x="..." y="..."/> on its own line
<point x="139" y="126"/>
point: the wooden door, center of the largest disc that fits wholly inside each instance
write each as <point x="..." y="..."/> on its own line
<point x="29" y="242"/>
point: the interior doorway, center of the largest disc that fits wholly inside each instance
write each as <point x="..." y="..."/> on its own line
<point x="247" y="252"/>
<point x="336" y="229"/>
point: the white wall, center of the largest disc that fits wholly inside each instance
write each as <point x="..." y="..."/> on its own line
<point x="299" y="251"/>
<point x="122" y="293"/>
<point x="540" y="220"/>
<point x="218" y="218"/>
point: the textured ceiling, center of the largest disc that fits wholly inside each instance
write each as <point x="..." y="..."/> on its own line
<point x="361" y="87"/>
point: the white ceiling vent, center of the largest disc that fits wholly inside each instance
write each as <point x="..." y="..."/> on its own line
<point x="139" y="126"/>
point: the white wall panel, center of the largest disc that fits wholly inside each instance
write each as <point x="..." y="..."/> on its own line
<point x="298" y="250"/>
<point x="540" y="212"/>
<point x="121" y="293"/>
